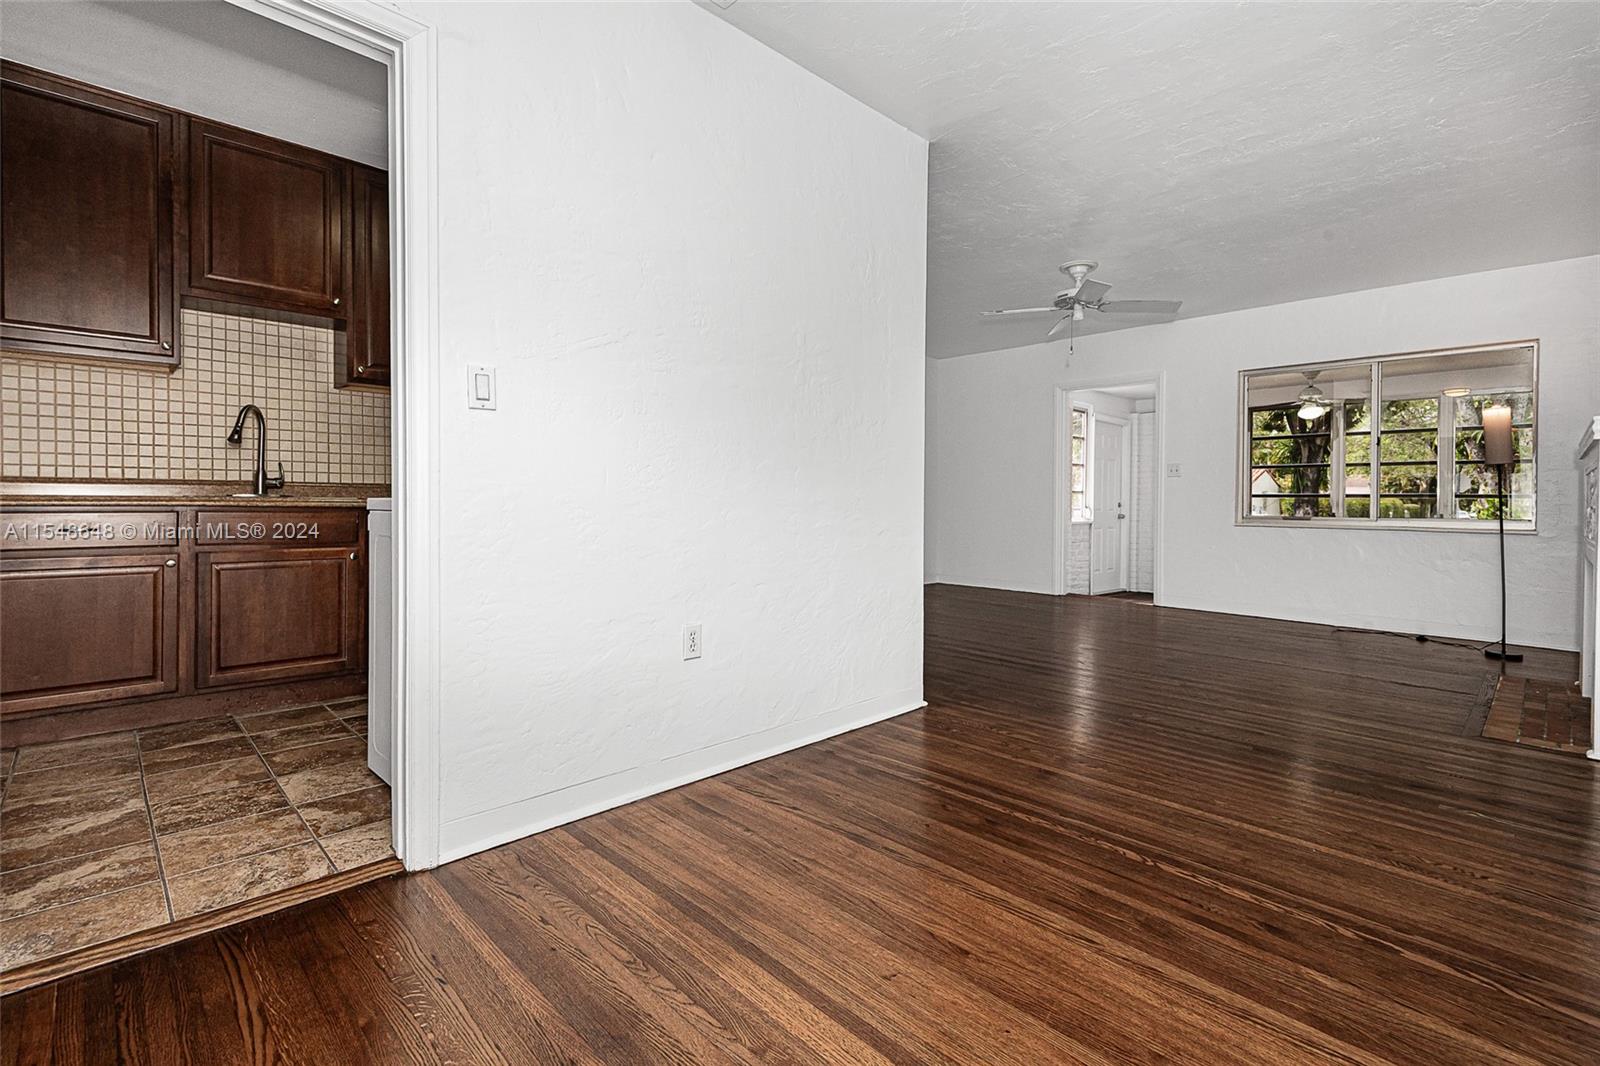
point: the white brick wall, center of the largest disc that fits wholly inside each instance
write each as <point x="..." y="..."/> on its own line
<point x="1078" y="558"/>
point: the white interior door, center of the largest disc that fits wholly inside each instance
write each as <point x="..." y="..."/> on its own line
<point x="1108" y="536"/>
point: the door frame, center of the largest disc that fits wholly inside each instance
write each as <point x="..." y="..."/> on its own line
<point x="1063" y="458"/>
<point x="409" y="49"/>
<point x="1124" y="527"/>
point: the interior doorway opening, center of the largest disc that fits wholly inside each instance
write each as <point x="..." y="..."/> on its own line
<point x="248" y="770"/>
<point x="1110" y="462"/>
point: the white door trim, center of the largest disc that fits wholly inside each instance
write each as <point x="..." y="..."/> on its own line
<point x="409" y="48"/>
<point x="1063" y="444"/>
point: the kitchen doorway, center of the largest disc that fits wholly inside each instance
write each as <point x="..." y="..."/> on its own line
<point x="228" y="771"/>
<point x="407" y="48"/>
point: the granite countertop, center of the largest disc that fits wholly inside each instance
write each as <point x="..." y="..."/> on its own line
<point x="23" y="493"/>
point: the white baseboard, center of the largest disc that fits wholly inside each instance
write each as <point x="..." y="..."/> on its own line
<point x="473" y="833"/>
<point x="978" y="583"/>
<point x="1431" y="628"/>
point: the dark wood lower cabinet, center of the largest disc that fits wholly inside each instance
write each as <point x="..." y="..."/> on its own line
<point x="275" y="614"/>
<point x="105" y="625"/>
<point x="87" y="629"/>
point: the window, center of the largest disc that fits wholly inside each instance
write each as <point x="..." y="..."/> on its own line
<point x="1312" y="448"/>
<point x="1079" y="469"/>
<point x="1297" y="448"/>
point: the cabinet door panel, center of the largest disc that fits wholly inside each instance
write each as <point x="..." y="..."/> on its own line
<point x="367" y="336"/>
<point x="271" y="615"/>
<point x="86" y="629"/>
<point x="86" y="226"/>
<point x="265" y="221"/>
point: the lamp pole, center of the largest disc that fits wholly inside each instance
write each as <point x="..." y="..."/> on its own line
<point x="1498" y="450"/>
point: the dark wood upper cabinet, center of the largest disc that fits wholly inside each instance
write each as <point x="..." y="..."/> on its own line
<point x="86" y="221"/>
<point x="265" y="221"/>
<point x="83" y="628"/>
<point x="113" y="209"/>
<point x="366" y="359"/>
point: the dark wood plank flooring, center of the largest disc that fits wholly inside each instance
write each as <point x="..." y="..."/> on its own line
<point x="1118" y="834"/>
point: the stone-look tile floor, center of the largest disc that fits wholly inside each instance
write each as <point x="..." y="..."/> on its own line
<point x="108" y="835"/>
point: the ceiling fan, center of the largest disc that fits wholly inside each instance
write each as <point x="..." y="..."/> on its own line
<point x="1314" y="403"/>
<point x="1070" y="303"/>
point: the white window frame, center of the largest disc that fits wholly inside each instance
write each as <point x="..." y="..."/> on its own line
<point x="1242" y="494"/>
<point x="1085" y="515"/>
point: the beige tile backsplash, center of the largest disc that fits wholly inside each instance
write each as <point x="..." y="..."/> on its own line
<point x="70" y="420"/>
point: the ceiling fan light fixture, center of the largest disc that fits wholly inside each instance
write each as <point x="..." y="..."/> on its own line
<point x="1313" y="403"/>
<point x="1458" y="391"/>
<point x="1077" y="313"/>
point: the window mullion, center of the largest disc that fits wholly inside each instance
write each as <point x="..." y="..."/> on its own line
<point x="1446" y="483"/>
<point x="1336" y="461"/>
<point x="1375" y="449"/>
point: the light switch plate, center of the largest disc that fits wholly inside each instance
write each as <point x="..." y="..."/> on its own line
<point x="482" y="395"/>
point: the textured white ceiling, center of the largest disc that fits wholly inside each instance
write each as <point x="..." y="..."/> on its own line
<point x="1229" y="156"/>
<point x="211" y="59"/>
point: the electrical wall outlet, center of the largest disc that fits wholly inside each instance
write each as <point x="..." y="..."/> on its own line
<point x="691" y="642"/>
<point x="1174" y="470"/>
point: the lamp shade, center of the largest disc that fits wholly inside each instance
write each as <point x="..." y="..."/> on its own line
<point x="1497" y="447"/>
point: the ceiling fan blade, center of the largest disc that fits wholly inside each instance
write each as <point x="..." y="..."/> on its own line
<point x="1055" y="329"/>
<point x="1018" y="311"/>
<point x="1091" y="291"/>
<point x="1141" y="307"/>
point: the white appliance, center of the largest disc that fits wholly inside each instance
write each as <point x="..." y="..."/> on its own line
<point x="380" y="636"/>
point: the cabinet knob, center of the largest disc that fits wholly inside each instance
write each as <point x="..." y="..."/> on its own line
<point x="172" y="562"/>
<point x="361" y="369"/>
<point x="336" y="301"/>
<point x="352" y="555"/>
<point x="166" y="346"/>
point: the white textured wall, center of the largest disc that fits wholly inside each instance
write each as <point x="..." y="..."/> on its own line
<point x="929" y="501"/>
<point x="1142" y="566"/>
<point x="994" y="459"/>
<point x="700" y="272"/>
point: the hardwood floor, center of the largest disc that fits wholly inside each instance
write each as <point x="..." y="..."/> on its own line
<point x="1118" y="834"/>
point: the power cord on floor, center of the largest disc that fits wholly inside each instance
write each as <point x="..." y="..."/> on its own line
<point x="1418" y="637"/>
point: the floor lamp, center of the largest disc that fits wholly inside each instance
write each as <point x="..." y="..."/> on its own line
<point x="1499" y="452"/>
